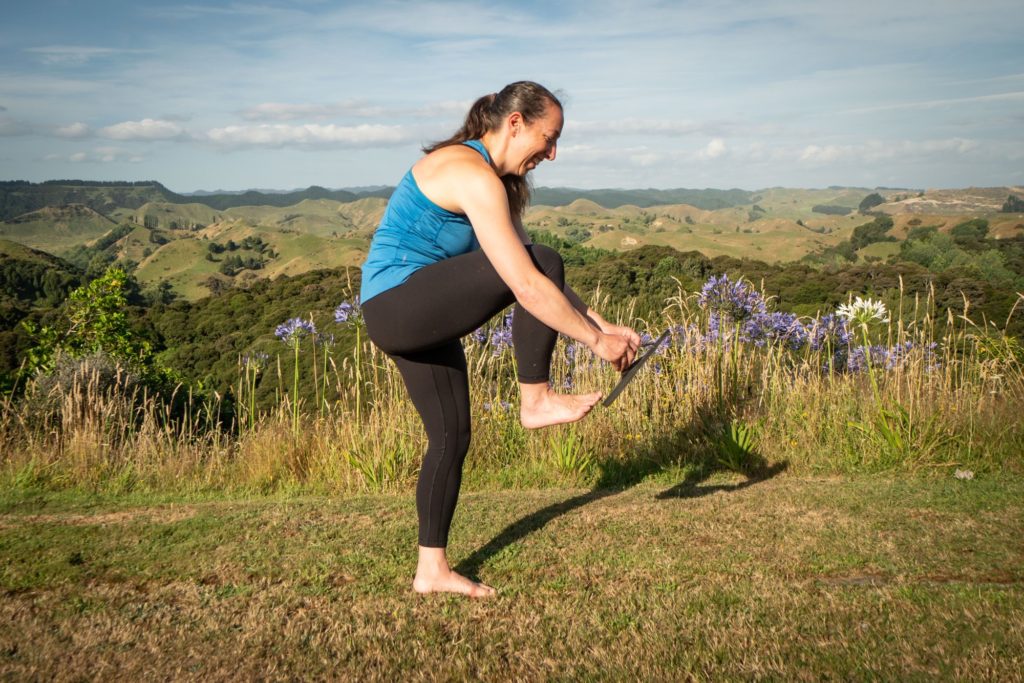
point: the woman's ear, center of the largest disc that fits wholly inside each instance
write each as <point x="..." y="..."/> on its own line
<point x="515" y="120"/>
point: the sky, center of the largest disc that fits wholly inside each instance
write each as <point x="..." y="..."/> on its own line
<point x="725" y="93"/>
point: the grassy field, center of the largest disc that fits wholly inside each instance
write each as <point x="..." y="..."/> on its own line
<point x="674" y="577"/>
<point x="146" y="539"/>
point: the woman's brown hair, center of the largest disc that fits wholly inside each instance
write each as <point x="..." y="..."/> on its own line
<point x="487" y="113"/>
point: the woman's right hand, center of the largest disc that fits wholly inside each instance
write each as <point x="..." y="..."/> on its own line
<point x="619" y="350"/>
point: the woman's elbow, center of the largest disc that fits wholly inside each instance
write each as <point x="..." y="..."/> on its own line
<point x="528" y="294"/>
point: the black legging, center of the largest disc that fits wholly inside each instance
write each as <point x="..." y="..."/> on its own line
<point x="419" y="324"/>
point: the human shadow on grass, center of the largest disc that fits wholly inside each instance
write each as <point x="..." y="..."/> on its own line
<point x="616" y="477"/>
<point x="690" y="487"/>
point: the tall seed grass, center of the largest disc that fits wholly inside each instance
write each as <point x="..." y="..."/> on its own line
<point x="698" y="403"/>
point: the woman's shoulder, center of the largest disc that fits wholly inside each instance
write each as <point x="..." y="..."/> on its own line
<point x="452" y="157"/>
<point x="446" y="173"/>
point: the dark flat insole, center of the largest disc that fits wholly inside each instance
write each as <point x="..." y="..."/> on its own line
<point x="631" y="371"/>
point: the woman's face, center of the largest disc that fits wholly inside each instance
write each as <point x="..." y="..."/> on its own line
<point x="538" y="140"/>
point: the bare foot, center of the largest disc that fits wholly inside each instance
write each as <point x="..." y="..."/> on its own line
<point x="542" y="407"/>
<point x="450" y="582"/>
<point x="434" y="575"/>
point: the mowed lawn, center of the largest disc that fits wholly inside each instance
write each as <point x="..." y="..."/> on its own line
<point x="786" y="578"/>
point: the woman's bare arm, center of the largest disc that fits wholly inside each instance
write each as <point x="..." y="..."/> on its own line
<point x="482" y="198"/>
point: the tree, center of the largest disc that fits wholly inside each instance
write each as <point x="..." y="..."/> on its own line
<point x="160" y="293"/>
<point x="1013" y="204"/>
<point x="872" y="232"/>
<point x="970" y="233"/>
<point x="871" y="201"/>
<point x="93" y="319"/>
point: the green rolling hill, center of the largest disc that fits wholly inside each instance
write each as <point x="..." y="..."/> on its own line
<point x="19" y="197"/>
<point x="175" y="239"/>
<point x="56" y="228"/>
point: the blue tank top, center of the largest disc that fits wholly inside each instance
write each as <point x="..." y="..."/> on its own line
<point x="413" y="233"/>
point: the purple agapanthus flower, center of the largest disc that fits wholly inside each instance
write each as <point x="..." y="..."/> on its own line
<point x="831" y="335"/>
<point x="256" y="360"/>
<point x="830" y="331"/>
<point x="688" y="337"/>
<point x="501" y="338"/>
<point x="501" y="335"/>
<point x="721" y="328"/>
<point x="738" y="301"/>
<point x="348" y="311"/>
<point x="778" y="327"/>
<point x="859" y="356"/>
<point x="293" y="330"/>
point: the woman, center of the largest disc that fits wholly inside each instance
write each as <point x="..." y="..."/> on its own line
<point x="450" y="253"/>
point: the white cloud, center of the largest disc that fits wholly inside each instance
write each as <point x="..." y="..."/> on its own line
<point x="72" y="55"/>
<point x="638" y="156"/>
<point x="714" y="149"/>
<point x="74" y="130"/>
<point x="445" y="109"/>
<point x="281" y="135"/>
<point x="282" y="111"/>
<point x="818" y="153"/>
<point x="98" y="155"/>
<point x="146" y="129"/>
<point x="953" y="101"/>
<point x="878" y="150"/>
<point x="631" y="126"/>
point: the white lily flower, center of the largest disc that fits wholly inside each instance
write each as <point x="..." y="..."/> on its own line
<point x="864" y="311"/>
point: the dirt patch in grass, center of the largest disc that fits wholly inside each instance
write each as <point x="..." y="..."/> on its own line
<point x="158" y="515"/>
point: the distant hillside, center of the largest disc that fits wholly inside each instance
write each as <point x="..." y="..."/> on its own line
<point x="222" y="202"/>
<point x="21" y="197"/>
<point x="32" y="277"/>
<point x="183" y="246"/>
<point x="56" y="228"/>
<point x="707" y="199"/>
<point x="972" y="200"/>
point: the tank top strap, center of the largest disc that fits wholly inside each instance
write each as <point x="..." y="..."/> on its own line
<point x="478" y="146"/>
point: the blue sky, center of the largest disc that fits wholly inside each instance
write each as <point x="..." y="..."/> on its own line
<point x="235" y="95"/>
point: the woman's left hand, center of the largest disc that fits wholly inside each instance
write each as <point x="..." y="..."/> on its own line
<point x="621" y="330"/>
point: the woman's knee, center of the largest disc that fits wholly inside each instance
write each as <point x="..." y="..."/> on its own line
<point x="549" y="262"/>
<point x="450" y="446"/>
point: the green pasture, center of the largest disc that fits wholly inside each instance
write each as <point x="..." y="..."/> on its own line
<point x="678" y="577"/>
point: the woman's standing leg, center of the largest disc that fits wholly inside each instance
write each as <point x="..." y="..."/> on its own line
<point x="439" y="388"/>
